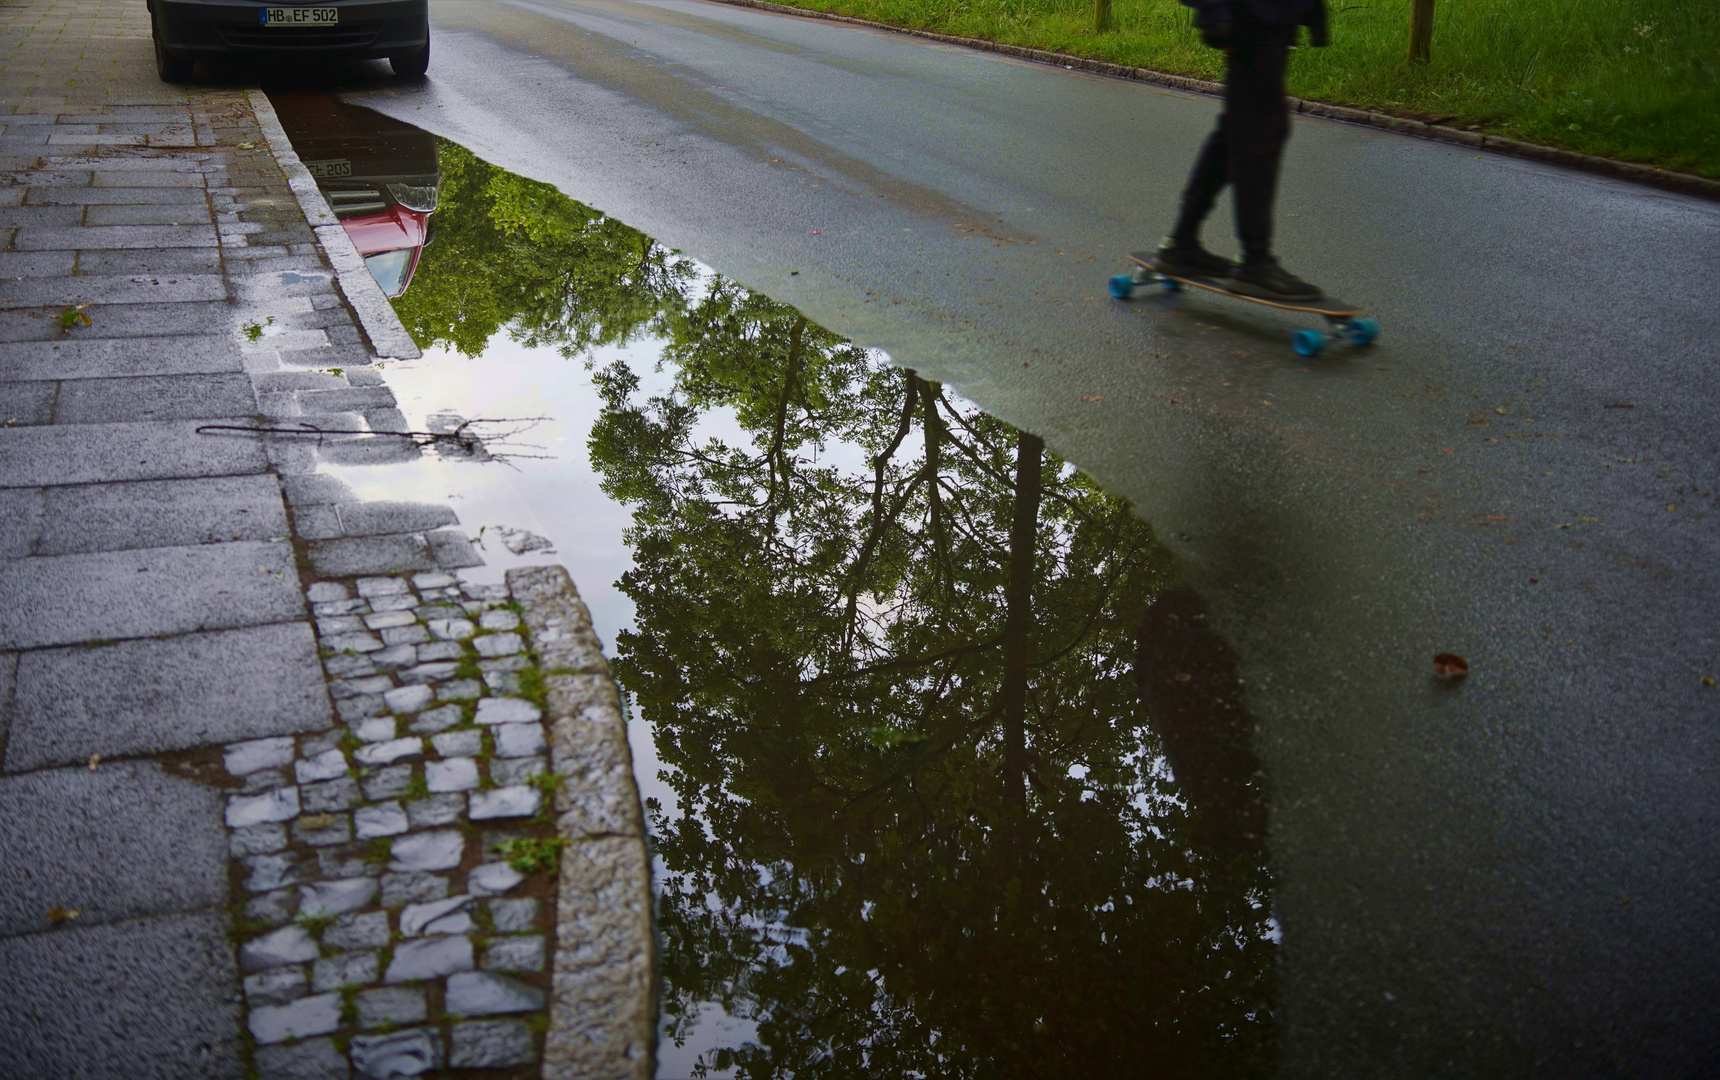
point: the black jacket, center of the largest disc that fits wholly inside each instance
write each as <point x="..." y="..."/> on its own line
<point x="1309" y="13"/>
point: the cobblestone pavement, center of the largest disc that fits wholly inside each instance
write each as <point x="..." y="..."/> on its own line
<point x="280" y="794"/>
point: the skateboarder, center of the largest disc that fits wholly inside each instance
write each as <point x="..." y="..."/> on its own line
<point x="1245" y="148"/>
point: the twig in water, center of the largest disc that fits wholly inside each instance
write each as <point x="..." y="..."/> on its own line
<point x="473" y="440"/>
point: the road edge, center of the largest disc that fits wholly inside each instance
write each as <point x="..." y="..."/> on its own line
<point x="388" y="336"/>
<point x="1647" y="175"/>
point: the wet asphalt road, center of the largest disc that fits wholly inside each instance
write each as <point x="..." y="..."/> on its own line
<point x="1519" y="875"/>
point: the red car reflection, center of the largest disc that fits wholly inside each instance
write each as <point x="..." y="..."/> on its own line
<point x="391" y="242"/>
<point x="379" y="175"/>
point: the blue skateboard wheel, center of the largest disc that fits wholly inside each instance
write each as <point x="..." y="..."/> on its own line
<point x="1307" y="342"/>
<point x="1363" y="331"/>
<point x="1171" y="285"/>
<point x="1122" y="286"/>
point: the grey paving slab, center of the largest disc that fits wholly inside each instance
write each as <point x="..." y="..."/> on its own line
<point x="37" y="217"/>
<point x="82" y="454"/>
<point x="377" y="518"/>
<point x="150" y="261"/>
<point x="134" y="162"/>
<point x="17" y="264"/>
<point x="148" y="697"/>
<point x="26" y="403"/>
<point x="47" y="179"/>
<point x="93" y="841"/>
<point x="20" y="521"/>
<point x="369" y="555"/>
<point x="154" y="397"/>
<point x="315" y="488"/>
<point x="70" y="599"/>
<point x="113" y="289"/>
<point x="155" y="999"/>
<point x="152" y="180"/>
<point x="50" y="238"/>
<point x="185" y="213"/>
<point x="106" y="358"/>
<point x="153" y="513"/>
<point x="119" y="321"/>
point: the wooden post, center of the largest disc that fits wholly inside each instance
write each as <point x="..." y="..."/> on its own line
<point x="1420" y="31"/>
<point x="1102" y="16"/>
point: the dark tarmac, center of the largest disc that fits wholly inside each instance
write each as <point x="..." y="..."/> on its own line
<point x="1512" y="874"/>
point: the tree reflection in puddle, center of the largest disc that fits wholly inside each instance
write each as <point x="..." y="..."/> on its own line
<point x="904" y="668"/>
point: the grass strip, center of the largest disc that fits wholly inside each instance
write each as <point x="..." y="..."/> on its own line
<point x="1636" y="80"/>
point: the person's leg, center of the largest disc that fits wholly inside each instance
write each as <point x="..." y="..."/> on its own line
<point x="1182" y="250"/>
<point x="1210" y="173"/>
<point x="1259" y="118"/>
<point x="1260" y="124"/>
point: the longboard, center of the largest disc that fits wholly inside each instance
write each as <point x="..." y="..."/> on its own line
<point x="1346" y="323"/>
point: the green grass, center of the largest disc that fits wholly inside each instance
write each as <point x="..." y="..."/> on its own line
<point x="1631" y="79"/>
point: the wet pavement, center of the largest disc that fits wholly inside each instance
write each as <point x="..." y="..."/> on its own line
<point x="934" y="803"/>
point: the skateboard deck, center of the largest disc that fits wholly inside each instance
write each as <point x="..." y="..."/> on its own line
<point x="1345" y="320"/>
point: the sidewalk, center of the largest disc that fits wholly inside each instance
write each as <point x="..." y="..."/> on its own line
<point x="273" y="778"/>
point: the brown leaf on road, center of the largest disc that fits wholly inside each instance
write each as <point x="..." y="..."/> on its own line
<point x="1450" y="665"/>
<point x="1099" y="398"/>
<point x="59" y="916"/>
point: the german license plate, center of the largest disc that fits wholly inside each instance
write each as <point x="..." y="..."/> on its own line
<point x="329" y="170"/>
<point x="298" y="16"/>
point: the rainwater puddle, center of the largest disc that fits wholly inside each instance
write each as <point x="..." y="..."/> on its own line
<point x="904" y="712"/>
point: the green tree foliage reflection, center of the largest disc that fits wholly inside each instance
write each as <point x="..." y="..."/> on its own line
<point x="886" y="646"/>
<point x="513" y="254"/>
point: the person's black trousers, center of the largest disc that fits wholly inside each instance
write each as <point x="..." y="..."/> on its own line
<point x="1245" y="148"/>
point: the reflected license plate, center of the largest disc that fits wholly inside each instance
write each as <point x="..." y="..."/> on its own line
<point x="326" y="170"/>
<point x="298" y="16"/>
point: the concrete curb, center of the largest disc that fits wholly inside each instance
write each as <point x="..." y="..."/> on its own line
<point x="1684" y="183"/>
<point x="603" y="1018"/>
<point x="387" y="336"/>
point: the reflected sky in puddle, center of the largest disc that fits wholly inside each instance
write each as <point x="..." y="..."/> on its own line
<point x="906" y="714"/>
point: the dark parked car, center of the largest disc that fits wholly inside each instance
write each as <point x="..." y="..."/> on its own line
<point x="190" y="30"/>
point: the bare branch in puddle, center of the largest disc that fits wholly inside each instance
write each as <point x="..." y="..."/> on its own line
<point x="478" y="439"/>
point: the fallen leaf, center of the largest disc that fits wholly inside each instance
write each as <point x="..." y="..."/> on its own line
<point x="1671" y="506"/>
<point x="1450" y="665"/>
<point x="59" y="915"/>
<point x="1707" y="680"/>
<point x="95" y="762"/>
<point x="1101" y="398"/>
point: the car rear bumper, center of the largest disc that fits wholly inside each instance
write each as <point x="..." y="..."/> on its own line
<point x="367" y="28"/>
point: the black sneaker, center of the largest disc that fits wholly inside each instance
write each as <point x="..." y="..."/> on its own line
<point x="1266" y="280"/>
<point x="1191" y="260"/>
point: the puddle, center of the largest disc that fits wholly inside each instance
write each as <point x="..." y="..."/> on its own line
<point x="937" y="787"/>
